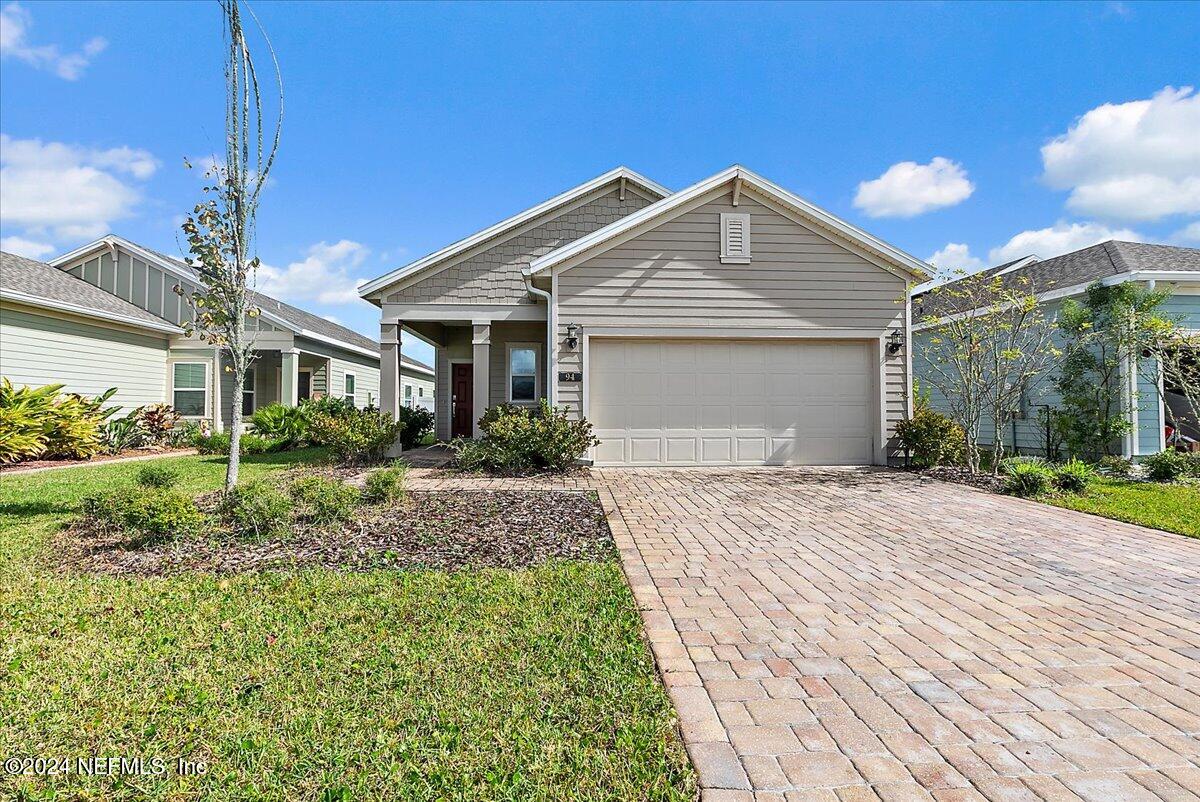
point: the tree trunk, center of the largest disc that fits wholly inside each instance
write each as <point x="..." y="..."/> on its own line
<point x="235" y="425"/>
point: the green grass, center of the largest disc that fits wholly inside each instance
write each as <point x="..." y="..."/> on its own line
<point x="1171" y="507"/>
<point x="317" y="684"/>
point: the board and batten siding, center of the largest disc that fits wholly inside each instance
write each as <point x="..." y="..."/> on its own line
<point x="364" y="368"/>
<point x="39" y="347"/>
<point x="672" y="276"/>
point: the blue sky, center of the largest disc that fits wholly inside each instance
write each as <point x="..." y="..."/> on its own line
<point x="971" y="131"/>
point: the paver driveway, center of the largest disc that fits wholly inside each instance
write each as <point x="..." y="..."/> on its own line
<point x="847" y="635"/>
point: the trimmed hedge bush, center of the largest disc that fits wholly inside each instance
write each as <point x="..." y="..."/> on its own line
<point x="518" y="439"/>
<point x="257" y="510"/>
<point x="324" y="501"/>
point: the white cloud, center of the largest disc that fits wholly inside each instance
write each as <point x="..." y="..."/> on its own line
<point x="67" y="191"/>
<point x="15" y="22"/>
<point x="325" y="275"/>
<point x="908" y="189"/>
<point x="26" y="247"/>
<point x="1060" y="238"/>
<point x="955" y="258"/>
<point x="1131" y="161"/>
<point x="1188" y="234"/>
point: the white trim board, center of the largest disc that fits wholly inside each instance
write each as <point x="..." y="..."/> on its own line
<point x="644" y="219"/>
<point x="491" y="232"/>
<point x="86" y="311"/>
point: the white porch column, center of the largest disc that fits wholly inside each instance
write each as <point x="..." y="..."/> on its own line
<point x="481" y="350"/>
<point x="289" y="383"/>
<point x="389" y="369"/>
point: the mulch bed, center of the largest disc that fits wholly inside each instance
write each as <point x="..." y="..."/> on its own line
<point x="950" y="473"/>
<point x="444" y="530"/>
<point x="67" y="463"/>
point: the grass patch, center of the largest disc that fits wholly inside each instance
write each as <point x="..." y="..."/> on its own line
<point x="320" y="684"/>
<point x="1171" y="507"/>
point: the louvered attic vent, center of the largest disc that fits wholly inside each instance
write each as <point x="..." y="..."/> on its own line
<point x="735" y="238"/>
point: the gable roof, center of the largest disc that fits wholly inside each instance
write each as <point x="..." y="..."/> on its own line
<point x="1108" y="260"/>
<point x="292" y="318"/>
<point x="39" y="284"/>
<point x="514" y="222"/>
<point x="598" y="240"/>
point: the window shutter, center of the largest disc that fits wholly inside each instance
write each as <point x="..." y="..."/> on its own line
<point x="735" y="238"/>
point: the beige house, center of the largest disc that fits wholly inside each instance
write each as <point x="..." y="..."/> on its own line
<point x="729" y="323"/>
<point x="107" y="315"/>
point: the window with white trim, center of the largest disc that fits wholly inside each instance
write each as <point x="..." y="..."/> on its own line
<point x="523" y="378"/>
<point x="189" y="388"/>
<point x="349" y="392"/>
<point x="735" y="238"/>
<point x="408" y="402"/>
<point x="248" y="385"/>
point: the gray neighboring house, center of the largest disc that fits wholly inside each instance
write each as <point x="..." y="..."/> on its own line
<point x="729" y="323"/>
<point x="107" y="315"/>
<point x="1148" y="399"/>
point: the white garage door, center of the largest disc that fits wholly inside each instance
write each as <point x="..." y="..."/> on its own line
<point x="731" y="402"/>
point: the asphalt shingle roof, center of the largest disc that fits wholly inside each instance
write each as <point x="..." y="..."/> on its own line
<point x="38" y="279"/>
<point x="1112" y="258"/>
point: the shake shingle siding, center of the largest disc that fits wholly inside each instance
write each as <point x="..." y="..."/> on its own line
<point x="493" y="276"/>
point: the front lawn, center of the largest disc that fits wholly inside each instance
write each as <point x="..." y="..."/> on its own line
<point x="1171" y="507"/>
<point x="319" y="683"/>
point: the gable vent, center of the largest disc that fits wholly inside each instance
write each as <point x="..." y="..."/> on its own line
<point x="735" y="238"/>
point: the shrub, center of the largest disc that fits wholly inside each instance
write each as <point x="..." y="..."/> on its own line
<point x="1116" y="466"/>
<point x="42" y="423"/>
<point x="249" y="443"/>
<point x="122" y="434"/>
<point x="157" y="475"/>
<point x="151" y="514"/>
<point x="287" y="425"/>
<point x="325" y="405"/>
<point x="1026" y="476"/>
<point x="1166" y="466"/>
<point x="519" y="439"/>
<point x="385" y="485"/>
<point x="324" y="501"/>
<point x="1073" y="476"/>
<point x="257" y="510"/>
<point x="931" y="438"/>
<point x="418" y="422"/>
<point x="158" y="421"/>
<point x="356" y="435"/>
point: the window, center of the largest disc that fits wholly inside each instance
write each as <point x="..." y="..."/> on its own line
<point x="420" y="392"/>
<point x="349" y="396"/>
<point x="522" y="373"/>
<point x="248" y="391"/>
<point x="189" y="388"/>
<point x="408" y="395"/>
<point x="735" y="238"/>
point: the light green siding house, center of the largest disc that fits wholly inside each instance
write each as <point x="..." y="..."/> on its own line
<point x="1148" y="399"/>
<point x="107" y="315"/>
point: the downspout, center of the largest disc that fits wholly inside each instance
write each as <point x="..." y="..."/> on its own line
<point x="551" y="336"/>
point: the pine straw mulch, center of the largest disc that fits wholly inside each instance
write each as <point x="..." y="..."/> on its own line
<point x="441" y="529"/>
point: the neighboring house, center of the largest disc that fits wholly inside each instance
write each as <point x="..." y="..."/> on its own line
<point x="107" y="315"/>
<point x="729" y="323"/>
<point x="1068" y="276"/>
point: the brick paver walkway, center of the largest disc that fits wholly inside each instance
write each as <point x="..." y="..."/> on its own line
<point x="861" y="635"/>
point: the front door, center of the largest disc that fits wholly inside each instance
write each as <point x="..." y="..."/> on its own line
<point x="462" y="394"/>
<point x="304" y="385"/>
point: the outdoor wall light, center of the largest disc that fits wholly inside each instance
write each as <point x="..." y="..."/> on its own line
<point x="572" y="339"/>
<point x="895" y="342"/>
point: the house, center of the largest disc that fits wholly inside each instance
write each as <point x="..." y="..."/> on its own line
<point x="107" y="315"/>
<point x="731" y="322"/>
<point x="1068" y="276"/>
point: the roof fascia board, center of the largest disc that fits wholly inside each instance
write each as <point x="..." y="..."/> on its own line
<point x="86" y="311"/>
<point x="322" y="338"/>
<point x="404" y="282"/>
<point x="911" y="266"/>
<point x="455" y="248"/>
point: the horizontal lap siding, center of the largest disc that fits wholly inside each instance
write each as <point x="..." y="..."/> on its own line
<point x="38" y="349"/>
<point x="502" y="335"/>
<point x="673" y="276"/>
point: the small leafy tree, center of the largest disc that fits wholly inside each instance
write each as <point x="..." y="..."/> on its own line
<point x="990" y="341"/>
<point x="1105" y="335"/>
<point x="220" y="229"/>
<point x="1177" y="352"/>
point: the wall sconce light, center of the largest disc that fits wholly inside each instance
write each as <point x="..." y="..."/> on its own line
<point x="895" y="342"/>
<point x="572" y="338"/>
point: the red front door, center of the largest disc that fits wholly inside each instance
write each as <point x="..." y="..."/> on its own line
<point x="462" y="394"/>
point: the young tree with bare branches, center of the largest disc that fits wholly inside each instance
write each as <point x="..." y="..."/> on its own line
<point x="220" y="229"/>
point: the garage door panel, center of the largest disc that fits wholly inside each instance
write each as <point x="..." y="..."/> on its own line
<point x="732" y="402"/>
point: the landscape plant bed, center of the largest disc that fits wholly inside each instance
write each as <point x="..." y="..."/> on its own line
<point x="68" y="463"/>
<point x="431" y="529"/>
